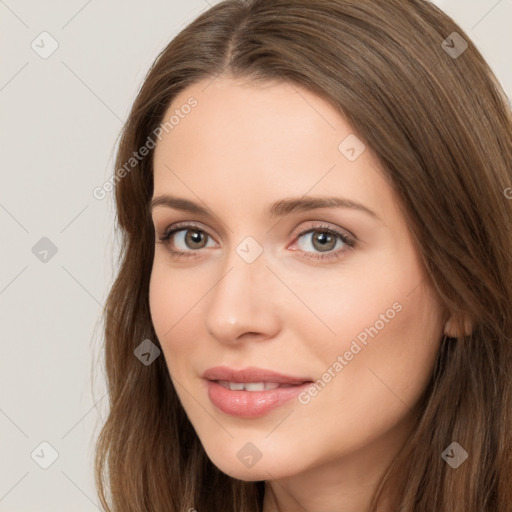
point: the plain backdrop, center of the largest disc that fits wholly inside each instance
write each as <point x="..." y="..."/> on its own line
<point x="61" y="117"/>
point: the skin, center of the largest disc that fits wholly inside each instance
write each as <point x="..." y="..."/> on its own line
<point x="242" y="147"/>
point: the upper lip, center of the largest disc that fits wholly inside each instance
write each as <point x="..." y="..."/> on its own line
<point x="251" y="374"/>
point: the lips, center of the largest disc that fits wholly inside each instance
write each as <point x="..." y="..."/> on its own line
<point x="251" y="392"/>
<point x="252" y="374"/>
<point x="251" y="386"/>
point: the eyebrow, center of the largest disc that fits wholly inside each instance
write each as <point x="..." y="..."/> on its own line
<point x="276" y="209"/>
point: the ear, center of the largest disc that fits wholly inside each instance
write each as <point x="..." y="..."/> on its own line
<point x="455" y="328"/>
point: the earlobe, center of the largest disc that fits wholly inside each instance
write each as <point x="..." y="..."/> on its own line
<point x="454" y="329"/>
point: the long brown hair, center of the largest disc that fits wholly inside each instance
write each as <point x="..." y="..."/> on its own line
<point x="441" y="126"/>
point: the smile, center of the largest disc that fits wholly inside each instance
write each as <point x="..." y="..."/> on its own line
<point x="252" y="386"/>
<point x="251" y="392"/>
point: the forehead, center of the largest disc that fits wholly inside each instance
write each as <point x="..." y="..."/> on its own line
<point x="262" y="141"/>
<point x="231" y="111"/>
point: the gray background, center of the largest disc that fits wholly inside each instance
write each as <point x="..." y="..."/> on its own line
<point x="61" y="117"/>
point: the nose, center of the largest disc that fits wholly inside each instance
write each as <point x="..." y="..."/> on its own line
<point x="244" y="302"/>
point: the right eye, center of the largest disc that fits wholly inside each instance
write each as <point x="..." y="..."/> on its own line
<point x="185" y="239"/>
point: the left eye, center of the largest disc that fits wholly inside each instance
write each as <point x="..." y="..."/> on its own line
<point x="322" y="240"/>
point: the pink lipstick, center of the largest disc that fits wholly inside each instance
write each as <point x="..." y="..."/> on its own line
<point x="251" y="392"/>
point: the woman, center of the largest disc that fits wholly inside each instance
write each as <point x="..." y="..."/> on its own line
<point x="312" y="310"/>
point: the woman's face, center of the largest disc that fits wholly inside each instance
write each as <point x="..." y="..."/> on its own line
<point x="327" y="302"/>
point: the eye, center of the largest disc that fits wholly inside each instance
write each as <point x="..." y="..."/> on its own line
<point x="188" y="238"/>
<point x="320" y="242"/>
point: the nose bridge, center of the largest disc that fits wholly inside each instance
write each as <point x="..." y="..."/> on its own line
<point x="240" y="300"/>
<point x="244" y="268"/>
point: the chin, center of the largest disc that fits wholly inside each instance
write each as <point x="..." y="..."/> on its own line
<point x="246" y="463"/>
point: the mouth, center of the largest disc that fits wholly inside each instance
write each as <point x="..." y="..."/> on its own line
<point x="251" y="392"/>
<point x="252" y="375"/>
<point x="253" y="386"/>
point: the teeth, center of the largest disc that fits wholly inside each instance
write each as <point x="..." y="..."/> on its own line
<point x="254" y="386"/>
<point x="250" y="386"/>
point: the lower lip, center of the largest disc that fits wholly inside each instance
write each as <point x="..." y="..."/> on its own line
<point x="251" y="404"/>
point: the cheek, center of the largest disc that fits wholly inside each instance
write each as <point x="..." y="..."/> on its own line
<point x="175" y="306"/>
<point x="338" y="306"/>
<point x="162" y="301"/>
<point x="386" y="362"/>
<point x="377" y="332"/>
<point x="387" y="357"/>
<point x="171" y="295"/>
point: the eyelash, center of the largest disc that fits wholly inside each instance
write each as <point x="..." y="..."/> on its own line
<point x="348" y="241"/>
